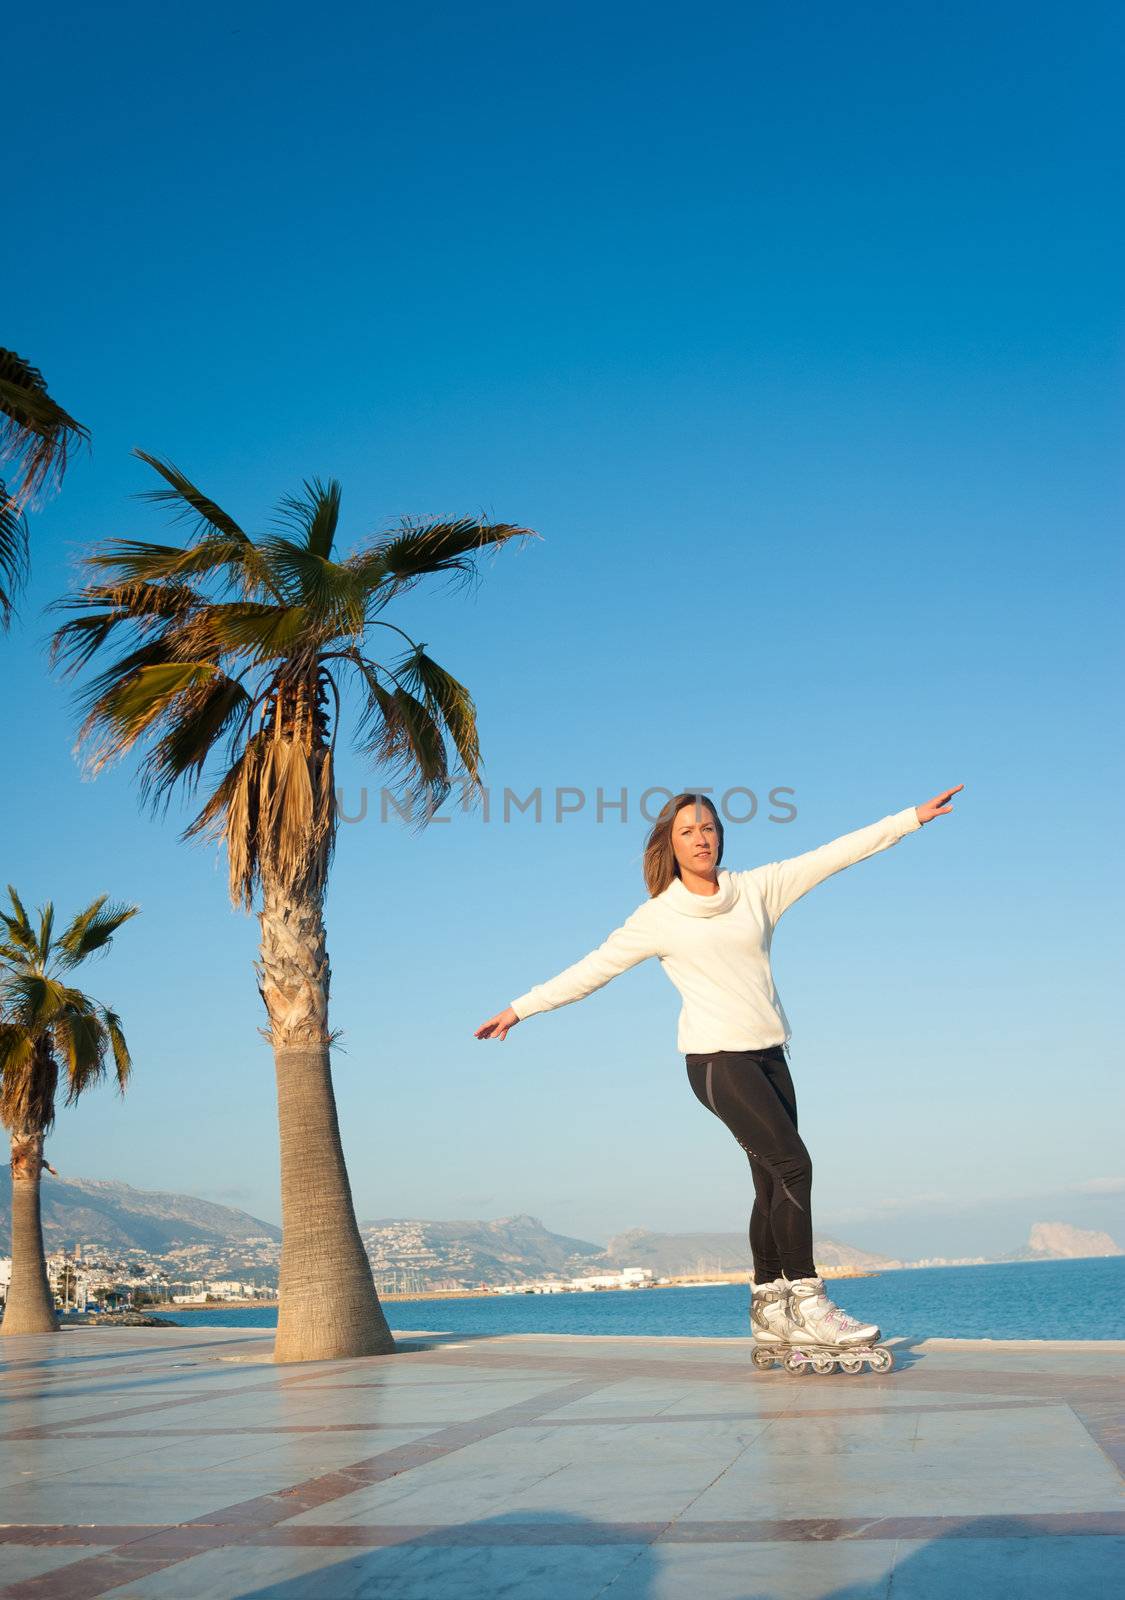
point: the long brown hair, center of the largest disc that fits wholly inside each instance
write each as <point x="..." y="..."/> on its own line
<point x="660" y="865"/>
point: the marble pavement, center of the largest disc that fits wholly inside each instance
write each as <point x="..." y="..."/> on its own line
<point x="184" y="1463"/>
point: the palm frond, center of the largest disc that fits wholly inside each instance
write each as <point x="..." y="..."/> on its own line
<point x="122" y="1061"/>
<point x="262" y="632"/>
<point x="153" y="653"/>
<point x="70" y="939"/>
<point x="326" y="591"/>
<point x="201" y="720"/>
<point x="401" y="733"/>
<point x="16" y="1047"/>
<point x="33" y="1001"/>
<point x="133" y="703"/>
<point x="255" y="631"/>
<point x="13" y="554"/>
<point x="138" y="561"/>
<point x="188" y="503"/>
<point x="448" y="701"/>
<point x="143" y="606"/>
<point x="91" y="931"/>
<point x="315" y="515"/>
<point x="80" y="1038"/>
<point x="230" y="816"/>
<point x="18" y="925"/>
<point x="420" y="549"/>
<point x="380" y="734"/>
<point x="46" y="924"/>
<point x="211" y="524"/>
<point x="36" y="434"/>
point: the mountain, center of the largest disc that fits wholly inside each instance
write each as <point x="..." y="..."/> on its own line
<point x="516" y="1249"/>
<point x="679" y="1254"/>
<point x="831" y="1253"/>
<point x="507" y="1250"/>
<point x="88" y="1211"/>
<point x="1058" y="1241"/>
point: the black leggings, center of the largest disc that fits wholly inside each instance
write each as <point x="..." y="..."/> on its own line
<point x="752" y="1092"/>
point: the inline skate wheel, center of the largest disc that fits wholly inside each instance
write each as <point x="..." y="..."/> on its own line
<point x="851" y="1364"/>
<point x="882" y="1361"/>
<point x="762" y="1358"/>
<point x="822" y="1364"/>
<point x="796" y="1361"/>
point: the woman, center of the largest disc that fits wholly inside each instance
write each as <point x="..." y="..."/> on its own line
<point x="711" y="930"/>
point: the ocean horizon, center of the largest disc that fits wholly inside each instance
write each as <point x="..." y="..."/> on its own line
<point x="1071" y="1299"/>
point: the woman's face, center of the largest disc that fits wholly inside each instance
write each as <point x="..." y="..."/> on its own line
<point x="695" y="839"/>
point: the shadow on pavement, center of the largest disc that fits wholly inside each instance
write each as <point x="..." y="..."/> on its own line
<point x="563" y="1557"/>
<point x="556" y="1557"/>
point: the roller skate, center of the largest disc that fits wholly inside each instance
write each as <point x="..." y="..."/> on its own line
<point x="770" y="1323"/>
<point x="823" y="1337"/>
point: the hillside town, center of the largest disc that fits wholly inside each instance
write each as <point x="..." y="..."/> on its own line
<point x="90" y="1277"/>
<point x="86" y="1278"/>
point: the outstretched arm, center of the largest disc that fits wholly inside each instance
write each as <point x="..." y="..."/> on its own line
<point x="784" y="882"/>
<point x="626" y="947"/>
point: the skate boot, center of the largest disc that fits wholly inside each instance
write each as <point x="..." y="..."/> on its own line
<point x="824" y="1337"/>
<point x="770" y="1323"/>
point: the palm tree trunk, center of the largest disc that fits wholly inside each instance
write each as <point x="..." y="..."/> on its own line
<point x="328" y="1307"/>
<point x="30" y="1307"/>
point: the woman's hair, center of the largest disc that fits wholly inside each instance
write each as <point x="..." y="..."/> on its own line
<point x="660" y="864"/>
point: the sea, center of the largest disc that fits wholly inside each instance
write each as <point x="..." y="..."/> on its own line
<point x="1010" y="1300"/>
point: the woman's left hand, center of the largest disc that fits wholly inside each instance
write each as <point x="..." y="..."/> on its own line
<point x="938" y="806"/>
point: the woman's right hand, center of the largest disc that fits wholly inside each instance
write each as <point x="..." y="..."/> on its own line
<point x="497" y="1027"/>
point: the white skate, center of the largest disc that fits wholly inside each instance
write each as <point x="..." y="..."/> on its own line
<point x="770" y="1323"/>
<point x="822" y="1337"/>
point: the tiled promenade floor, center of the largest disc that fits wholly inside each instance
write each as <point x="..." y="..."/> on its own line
<point x="140" y="1462"/>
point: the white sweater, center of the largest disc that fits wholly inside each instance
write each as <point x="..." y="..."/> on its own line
<point x="716" y="948"/>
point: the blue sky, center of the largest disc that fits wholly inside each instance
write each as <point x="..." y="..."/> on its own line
<point x="796" y="335"/>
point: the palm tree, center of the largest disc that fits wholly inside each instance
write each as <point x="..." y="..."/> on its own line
<point x="46" y="1025"/>
<point x="249" y="644"/>
<point x="36" y="437"/>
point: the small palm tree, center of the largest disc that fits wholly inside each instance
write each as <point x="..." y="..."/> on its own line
<point x="36" y="437"/>
<point x="244" y="646"/>
<point x="46" y="1026"/>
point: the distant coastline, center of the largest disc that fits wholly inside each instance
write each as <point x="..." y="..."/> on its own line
<point x="517" y="1292"/>
<point x="507" y="1293"/>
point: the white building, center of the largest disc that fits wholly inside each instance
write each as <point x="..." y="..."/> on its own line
<point x="627" y="1278"/>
